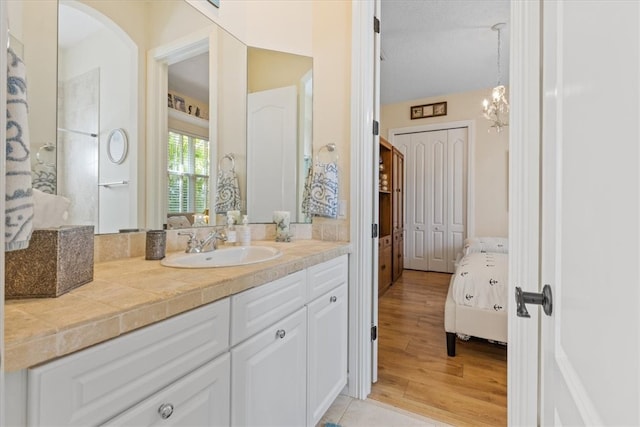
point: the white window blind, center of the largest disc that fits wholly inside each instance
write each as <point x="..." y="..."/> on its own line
<point x="188" y="173"/>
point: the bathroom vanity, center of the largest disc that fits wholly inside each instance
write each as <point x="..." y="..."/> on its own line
<point x="266" y="345"/>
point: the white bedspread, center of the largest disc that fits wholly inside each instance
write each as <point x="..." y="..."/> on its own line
<point x="481" y="281"/>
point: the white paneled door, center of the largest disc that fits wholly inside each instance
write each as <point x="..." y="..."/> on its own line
<point x="436" y="194"/>
<point x="590" y="344"/>
<point x="271" y="152"/>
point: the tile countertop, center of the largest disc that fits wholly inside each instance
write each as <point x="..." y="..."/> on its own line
<point x="131" y="293"/>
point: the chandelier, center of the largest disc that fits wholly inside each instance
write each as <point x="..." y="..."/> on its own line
<point x="496" y="110"/>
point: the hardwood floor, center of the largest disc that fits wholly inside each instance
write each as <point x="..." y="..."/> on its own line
<point x="414" y="371"/>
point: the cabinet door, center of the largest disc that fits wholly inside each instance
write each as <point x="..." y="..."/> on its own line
<point x="398" y="254"/>
<point x="327" y="370"/>
<point x="384" y="264"/>
<point x="398" y="190"/>
<point x="269" y="375"/>
<point x="199" y="399"/>
<point x="94" y="385"/>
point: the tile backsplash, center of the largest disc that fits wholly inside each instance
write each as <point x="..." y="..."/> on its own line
<point x="110" y="247"/>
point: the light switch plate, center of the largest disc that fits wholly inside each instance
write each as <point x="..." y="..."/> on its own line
<point x="342" y="209"/>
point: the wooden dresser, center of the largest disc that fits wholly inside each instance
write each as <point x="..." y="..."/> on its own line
<point x="391" y="216"/>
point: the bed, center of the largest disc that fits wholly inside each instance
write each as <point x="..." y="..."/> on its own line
<point x="476" y="303"/>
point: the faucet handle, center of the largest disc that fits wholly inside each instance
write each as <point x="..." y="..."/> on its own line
<point x="192" y="243"/>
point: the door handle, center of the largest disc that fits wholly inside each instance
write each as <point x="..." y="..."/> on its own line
<point x="544" y="299"/>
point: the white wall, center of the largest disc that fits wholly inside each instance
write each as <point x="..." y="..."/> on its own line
<point x="491" y="152"/>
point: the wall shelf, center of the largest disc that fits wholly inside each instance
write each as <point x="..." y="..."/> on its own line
<point x="188" y="118"/>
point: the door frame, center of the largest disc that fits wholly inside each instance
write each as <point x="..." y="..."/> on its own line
<point x="524" y="206"/>
<point x="364" y="248"/>
<point x="524" y="137"/>
<point x="158" y="61"/>
<point x="471" y="155"/>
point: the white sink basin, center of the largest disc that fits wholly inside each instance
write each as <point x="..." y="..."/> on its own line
<point x="224" y="257"/>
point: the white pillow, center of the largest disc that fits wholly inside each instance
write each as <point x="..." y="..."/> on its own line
<point x="486" y="244"/>
<point x="49" y="210"/>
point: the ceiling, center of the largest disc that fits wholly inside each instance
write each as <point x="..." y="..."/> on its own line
<point x="437" y="47"/>
<point x="429" y="48"/>
<point x="190" y="77"/>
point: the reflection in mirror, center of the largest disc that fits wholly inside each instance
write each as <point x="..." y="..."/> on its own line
<point x="279" y="132"/>
<point x="124" y="32"/>
<point x="96" y="93"/>
<point x="188" y="148"/>
<point x="117" y="146"/>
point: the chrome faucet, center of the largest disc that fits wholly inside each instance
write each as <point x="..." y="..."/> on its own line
<point x="208" y="244"/>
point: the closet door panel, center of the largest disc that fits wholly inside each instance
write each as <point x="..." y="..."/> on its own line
<point x="416" y="187"/>
<point x="437" y="201"/>
<point x="457" y="190"/>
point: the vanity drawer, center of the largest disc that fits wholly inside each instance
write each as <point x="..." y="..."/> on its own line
<point x="327" y="275"/>
<point x="91" y="386"/>
<point x="201" y="398"/>
<point x="257" y="308"/>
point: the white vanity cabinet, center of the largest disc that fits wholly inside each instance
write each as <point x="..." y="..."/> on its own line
<point x="199" y="399"/>
<point x="269" y="375"/>
<point x="273" y="355"/>
<point x="290" y="372"/>
<point x="92" y="386"/>
<point x="327" y="336"/>
<point x="269" y="362"/>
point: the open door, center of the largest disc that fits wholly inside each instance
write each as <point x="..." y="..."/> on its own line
<point x="589" y="221"/>
<point x="376" y="202"/>
<point x="590" y="213"/>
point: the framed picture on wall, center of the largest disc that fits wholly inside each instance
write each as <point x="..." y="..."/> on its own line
<point x="429" y="110"/>
<point x="170" y="100"/>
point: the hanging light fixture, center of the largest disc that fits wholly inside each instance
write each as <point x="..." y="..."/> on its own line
<point x="496" y="110"/>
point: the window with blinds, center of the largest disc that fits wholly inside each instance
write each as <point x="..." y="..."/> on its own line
<point x="188" y="173"/>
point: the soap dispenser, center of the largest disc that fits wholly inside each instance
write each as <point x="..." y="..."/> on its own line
<point x="244" y="232"/>
<point x="231" y="230"/>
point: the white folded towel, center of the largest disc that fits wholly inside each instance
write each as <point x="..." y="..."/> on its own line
<point x="49" y="210"/>
<point x="19" y="199"/>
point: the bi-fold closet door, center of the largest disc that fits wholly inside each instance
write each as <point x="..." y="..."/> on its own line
<point x="436" y="194"/>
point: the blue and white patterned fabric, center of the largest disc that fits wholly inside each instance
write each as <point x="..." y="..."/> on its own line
<point x="227" y="192"/>
<point x="19" y="198"/>
<point x="320" y="197"/>
<point x="44" y="180"/>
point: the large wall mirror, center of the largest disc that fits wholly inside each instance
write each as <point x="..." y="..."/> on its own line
<point x="99" y="50"/>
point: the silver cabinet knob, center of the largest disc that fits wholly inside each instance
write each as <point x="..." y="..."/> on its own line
<point x="280" y="333"/>
<point x="333" y="298"/>
<point x="165" y="410"/>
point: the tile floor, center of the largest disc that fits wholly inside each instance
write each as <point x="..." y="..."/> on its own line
<point x="349" y="412"/>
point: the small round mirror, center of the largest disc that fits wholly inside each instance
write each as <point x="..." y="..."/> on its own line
<point x="117" y="145"/>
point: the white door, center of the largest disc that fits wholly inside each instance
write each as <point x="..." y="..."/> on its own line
<point x="435" y="194"/>
<point x="590" y="345"/>
<point x="415" y="195"/>
<point x="271" y="153"/>
<point x="376" y="4"/>
<point x="457" y="189"/>
<point x="436" y="200"/>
